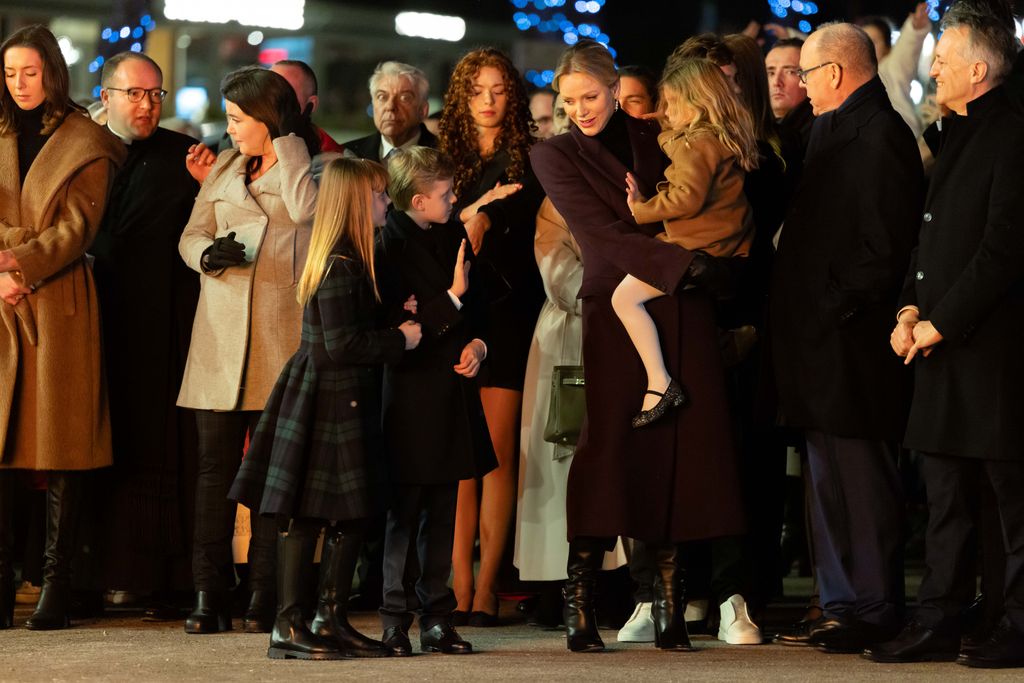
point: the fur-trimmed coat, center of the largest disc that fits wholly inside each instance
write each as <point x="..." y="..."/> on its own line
<point x="53" y="401"/>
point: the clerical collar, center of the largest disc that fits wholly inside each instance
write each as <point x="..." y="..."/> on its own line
<point x="386" y="147"/>
<point x="126" y="139"/>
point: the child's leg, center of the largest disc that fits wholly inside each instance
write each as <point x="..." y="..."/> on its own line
<point x="436" y="530"/>
<point x="402" y="520"/>
<point x="628" y="302"/>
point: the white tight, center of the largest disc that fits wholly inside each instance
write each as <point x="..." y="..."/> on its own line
<point x="628" y="301"/>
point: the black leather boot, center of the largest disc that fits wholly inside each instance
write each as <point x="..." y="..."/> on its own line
<point x="668" y="609"/>
<point x="290" y="638"/>
<point x="259" y="615"/>
<point x="6" y="549"/>
<point x="337" y="565"/>
<point x="63" y="498"/>
<point x="585" y="557"/>
<point x="211" y="614"/>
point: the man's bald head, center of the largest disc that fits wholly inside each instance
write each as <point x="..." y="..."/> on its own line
<point x="849" y="46"/>
<point x="836" y="60"/>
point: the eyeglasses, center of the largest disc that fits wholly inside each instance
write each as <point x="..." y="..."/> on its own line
<point x="802" y="73"/>
<point x="135" y="95"/>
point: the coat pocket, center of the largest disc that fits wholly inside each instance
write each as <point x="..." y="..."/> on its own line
<point x="285" y="258"/>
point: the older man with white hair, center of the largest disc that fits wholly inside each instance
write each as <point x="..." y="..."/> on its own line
<point x="838" y="274"/>
<point x="962" y="327"/>
<point x="398" y="93"/>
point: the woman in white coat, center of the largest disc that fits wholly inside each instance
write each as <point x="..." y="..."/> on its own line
<point x="247" y="237"/>
<point x="541" y="547"/>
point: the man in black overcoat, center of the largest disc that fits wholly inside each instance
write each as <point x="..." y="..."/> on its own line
<point x="962" y="327"/>
<point x="842" y="256"/>
<point x="398" y="93"/>
<point x="148" y="298"/>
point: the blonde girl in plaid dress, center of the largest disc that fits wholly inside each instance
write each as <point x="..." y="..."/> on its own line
<point x="314" y="459"/>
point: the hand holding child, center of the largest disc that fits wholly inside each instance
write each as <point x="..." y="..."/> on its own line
<point x="412" y="332"/>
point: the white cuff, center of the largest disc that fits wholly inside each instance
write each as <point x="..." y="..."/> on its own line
<point x="455" y="300"/>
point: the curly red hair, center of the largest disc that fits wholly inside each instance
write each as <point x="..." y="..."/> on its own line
<point x="457" y="134"/>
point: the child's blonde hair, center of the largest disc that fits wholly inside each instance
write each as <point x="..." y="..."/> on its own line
<point x="703" y="86"/>
<point x="413" y="171"/>
<point x="344" y="213"/>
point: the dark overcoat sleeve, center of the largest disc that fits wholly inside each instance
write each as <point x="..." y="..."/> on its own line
<point x="598" y="228"/>
<point x="874" y="269"/>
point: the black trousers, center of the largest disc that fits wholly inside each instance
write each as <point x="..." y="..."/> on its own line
<point x="954" y="490"/>
<point x="424" y="515"/>
<point x="221" y="441"/>
<point x="857" y="525"/>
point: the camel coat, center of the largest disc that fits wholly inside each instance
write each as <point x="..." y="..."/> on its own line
<point x="53" y="400"/>
<point x="248" y="321"/>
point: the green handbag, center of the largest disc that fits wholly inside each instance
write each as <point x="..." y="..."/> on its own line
<point x="568" y="405"/>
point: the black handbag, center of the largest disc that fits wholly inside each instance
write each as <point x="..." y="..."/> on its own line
<point x="567" y="407"/>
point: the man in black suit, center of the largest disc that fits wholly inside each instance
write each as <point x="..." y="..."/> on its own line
<point x="842" y="256"/>
<point x="962" y="327"/>
<point x="399" y="95"/>
<point x="148" y="299"/>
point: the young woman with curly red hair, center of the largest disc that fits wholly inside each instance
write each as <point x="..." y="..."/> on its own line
<point x="486" y="129"/>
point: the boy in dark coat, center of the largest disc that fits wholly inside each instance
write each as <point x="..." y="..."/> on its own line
<point x="435" y="433"/>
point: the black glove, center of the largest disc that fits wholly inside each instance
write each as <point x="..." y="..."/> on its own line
<point x="716" y="276"/>
<point x="223" y="253"/>
<point x="295" y="122"/>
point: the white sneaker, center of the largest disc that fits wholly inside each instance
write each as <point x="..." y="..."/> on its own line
<point x="27" y="594"/>
<point x="696" y="611"/>
<point x="640" y="627"/>
<point x="736" y="628"/>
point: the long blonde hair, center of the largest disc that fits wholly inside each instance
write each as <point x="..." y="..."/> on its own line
<point x="344" y="214"/>
<point x="701" y="84"/>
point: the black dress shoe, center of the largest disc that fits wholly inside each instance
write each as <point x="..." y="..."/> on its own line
<point x="443" y="638"/>
<point x="916" y="643"/>
<point x="481" y="619"/>
<point x="161" y="612"/>
<point x="1004" y="650"/>
<point x="853" y="637"/>
<point x="673" y="397"/>
<point x="396" y="639"/>
<point x="800" y="634"/>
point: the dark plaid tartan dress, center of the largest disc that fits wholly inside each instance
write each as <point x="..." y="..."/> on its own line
<point x="316" y="450"/>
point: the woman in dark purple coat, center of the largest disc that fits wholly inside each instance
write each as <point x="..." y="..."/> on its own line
<point x="674" y="480"/>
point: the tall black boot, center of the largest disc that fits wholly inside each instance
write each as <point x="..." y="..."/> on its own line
<point x="290" y="638"/>
<point x="6" y="549"/>
<point x="63" y="498"/>
<point x="337" y="565"/>
<point x="585" y="557"/>
<point x="667" y="609"/>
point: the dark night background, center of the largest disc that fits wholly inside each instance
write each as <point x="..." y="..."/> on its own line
<point x="645" y="31"/>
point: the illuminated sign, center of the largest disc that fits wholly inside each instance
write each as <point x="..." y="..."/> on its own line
<point x="285" y="14"/>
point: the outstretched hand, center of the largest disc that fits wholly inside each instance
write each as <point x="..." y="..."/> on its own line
<point x="919" y="17"/>
<point x="633" y="195"/>
<point x="460" y="280"/>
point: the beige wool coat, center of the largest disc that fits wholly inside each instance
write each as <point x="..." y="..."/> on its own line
<point x="248" y="323"/>
<point x="53" y="401"/>
<point x="541" y="546"/>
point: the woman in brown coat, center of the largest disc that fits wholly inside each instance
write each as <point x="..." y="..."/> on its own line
<point x="247" y="237"/>
<point x="53" y="404"/>
<point x="675" y="480"/>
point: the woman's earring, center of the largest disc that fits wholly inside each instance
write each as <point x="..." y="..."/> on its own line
<point x="616" y="105"/>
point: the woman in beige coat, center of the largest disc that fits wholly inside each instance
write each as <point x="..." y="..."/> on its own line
<point x="53" y="405"/>
<point x="247" y="237"/>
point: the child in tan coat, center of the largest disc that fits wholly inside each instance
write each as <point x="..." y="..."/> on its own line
<point x="710" y="142"/>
